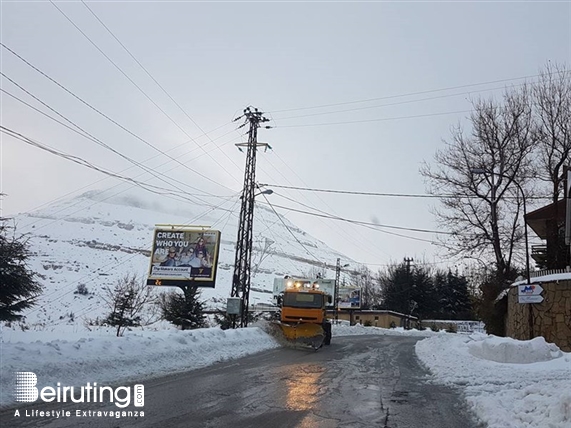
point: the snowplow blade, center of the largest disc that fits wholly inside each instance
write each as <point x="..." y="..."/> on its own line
<point x="305" y="334"/>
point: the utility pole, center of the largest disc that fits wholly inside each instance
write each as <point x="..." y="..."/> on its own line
<point x="242" y="262"/>
<point x="408" y="260"/>
<point x="336" y="290"/>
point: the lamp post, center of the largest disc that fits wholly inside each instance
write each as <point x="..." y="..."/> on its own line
<point x="483" y="171"/>
<point x="336" y="290"/>
<point x="264" y="192"/>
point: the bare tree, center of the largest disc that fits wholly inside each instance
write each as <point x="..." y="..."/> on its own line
<point x="370" y="290"/>
<point x="552" y="102"/>
<point x="482" y="211"/>
<point x="127" y="302"/>
<point x="264" y="253"/>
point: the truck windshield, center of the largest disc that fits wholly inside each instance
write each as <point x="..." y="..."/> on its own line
<point x="303" y="300"/>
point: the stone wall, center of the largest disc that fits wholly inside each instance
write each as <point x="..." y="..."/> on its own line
<point x="550" y="318"/>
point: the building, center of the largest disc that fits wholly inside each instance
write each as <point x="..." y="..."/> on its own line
<point x="548" y="223"/>
<point x="376" y="318"/>
<point x="550" y="318"/>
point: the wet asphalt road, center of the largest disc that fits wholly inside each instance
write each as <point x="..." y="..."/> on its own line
<point x="358" y="381"/>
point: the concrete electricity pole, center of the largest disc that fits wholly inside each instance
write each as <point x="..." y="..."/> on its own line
<point x="409" y="286"/>
<point x="336" y="290"/>
<point x="242" y="263"/>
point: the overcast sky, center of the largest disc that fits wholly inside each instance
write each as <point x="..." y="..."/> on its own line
<point x="359" y="95"/>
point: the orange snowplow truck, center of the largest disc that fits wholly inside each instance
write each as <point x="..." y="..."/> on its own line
<point x="303" y="316"/>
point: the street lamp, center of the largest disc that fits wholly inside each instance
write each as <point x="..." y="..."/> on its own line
<point x="264" y="192"/>
<point x="483" y="171"/>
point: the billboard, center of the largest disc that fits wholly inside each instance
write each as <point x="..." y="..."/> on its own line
<point x="349" y="298"/>
<point x="184" y="256"/>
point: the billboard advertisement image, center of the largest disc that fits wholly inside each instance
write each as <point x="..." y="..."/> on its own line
<point x="349" y="298"/>
<point x="183" y="255"/>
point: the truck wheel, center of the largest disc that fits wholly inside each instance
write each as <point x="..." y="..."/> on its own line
<point x="327" y="328"/>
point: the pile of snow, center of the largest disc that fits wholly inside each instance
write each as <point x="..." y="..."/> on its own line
<point x="100" y="356"/>
<point x="517" y="352"/>
<point x="346" y="330"/>
<point x="508" y="383"/>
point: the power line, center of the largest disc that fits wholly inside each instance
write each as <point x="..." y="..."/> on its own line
<point x="326" y="215"/>
<point x="393" y="104"/>
<point x="383" y="119"/>
<point x="109" y="118"/>
<point x="98" y="201"/>
<point x="289" y="230"/>
<point x="450" y="88"/>
<point x="355" y="230"/>
<point x="89" y="136"/>
<point x="83" y="162"/>
<point x="396" y="195"/>
<point x="163" y="89"/>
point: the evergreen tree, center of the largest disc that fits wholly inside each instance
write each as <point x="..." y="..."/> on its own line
<point x="453" y="298"/>
<point x="125" y="302"/>
<point x="422" y="300"/>
<point x="395" y="283"/>
<point x="184" y="310"/>
<point x="408" y="289"/>
<point x="415" y="290"/>
<point x="18" y="286"/>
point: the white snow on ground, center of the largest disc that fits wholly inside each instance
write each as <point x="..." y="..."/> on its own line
<point x="99" y="356"/>
<point x="508" y="383"/>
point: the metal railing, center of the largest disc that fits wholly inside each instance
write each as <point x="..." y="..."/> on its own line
<point x="544" y="272"/>
<point x="538" y="249"/>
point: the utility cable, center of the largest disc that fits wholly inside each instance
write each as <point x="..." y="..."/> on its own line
<point x="450" y="88"/>
<point x="166" y="93"/>
<point x="89" y="136"/>
<point x="98" y="201"/>
<point x="110" y="119"/>
<point x="392" y="104"/>
<point x="82" y="162"/>
<point x="383" y="119"/>
<point x="289" y="230"/>
<point x="326" y="215"/>
<point x="396" y="195"/>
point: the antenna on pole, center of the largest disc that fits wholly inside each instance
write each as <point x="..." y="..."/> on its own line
<point x="243" y="260"/>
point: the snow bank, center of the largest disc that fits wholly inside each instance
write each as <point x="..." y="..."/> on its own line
<point x="517" y="352"/>
<point x="103" y="358"/>
<point x="357" y="330"/>
<point x="508" y="383"/>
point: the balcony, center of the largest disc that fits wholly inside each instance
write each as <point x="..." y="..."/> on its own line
<point x="539" y="254"/>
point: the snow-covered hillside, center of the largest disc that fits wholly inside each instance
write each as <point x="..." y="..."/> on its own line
<point x="98" y="237"/>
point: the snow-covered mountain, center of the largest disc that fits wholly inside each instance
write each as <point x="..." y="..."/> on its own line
<point x="98" y="237"/>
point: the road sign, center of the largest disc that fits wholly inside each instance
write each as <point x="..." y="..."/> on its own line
<point x="529" y="290"/>
<point x="530" y="299"/>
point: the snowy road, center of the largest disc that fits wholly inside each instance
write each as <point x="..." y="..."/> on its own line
<point x="360" y="381"/>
